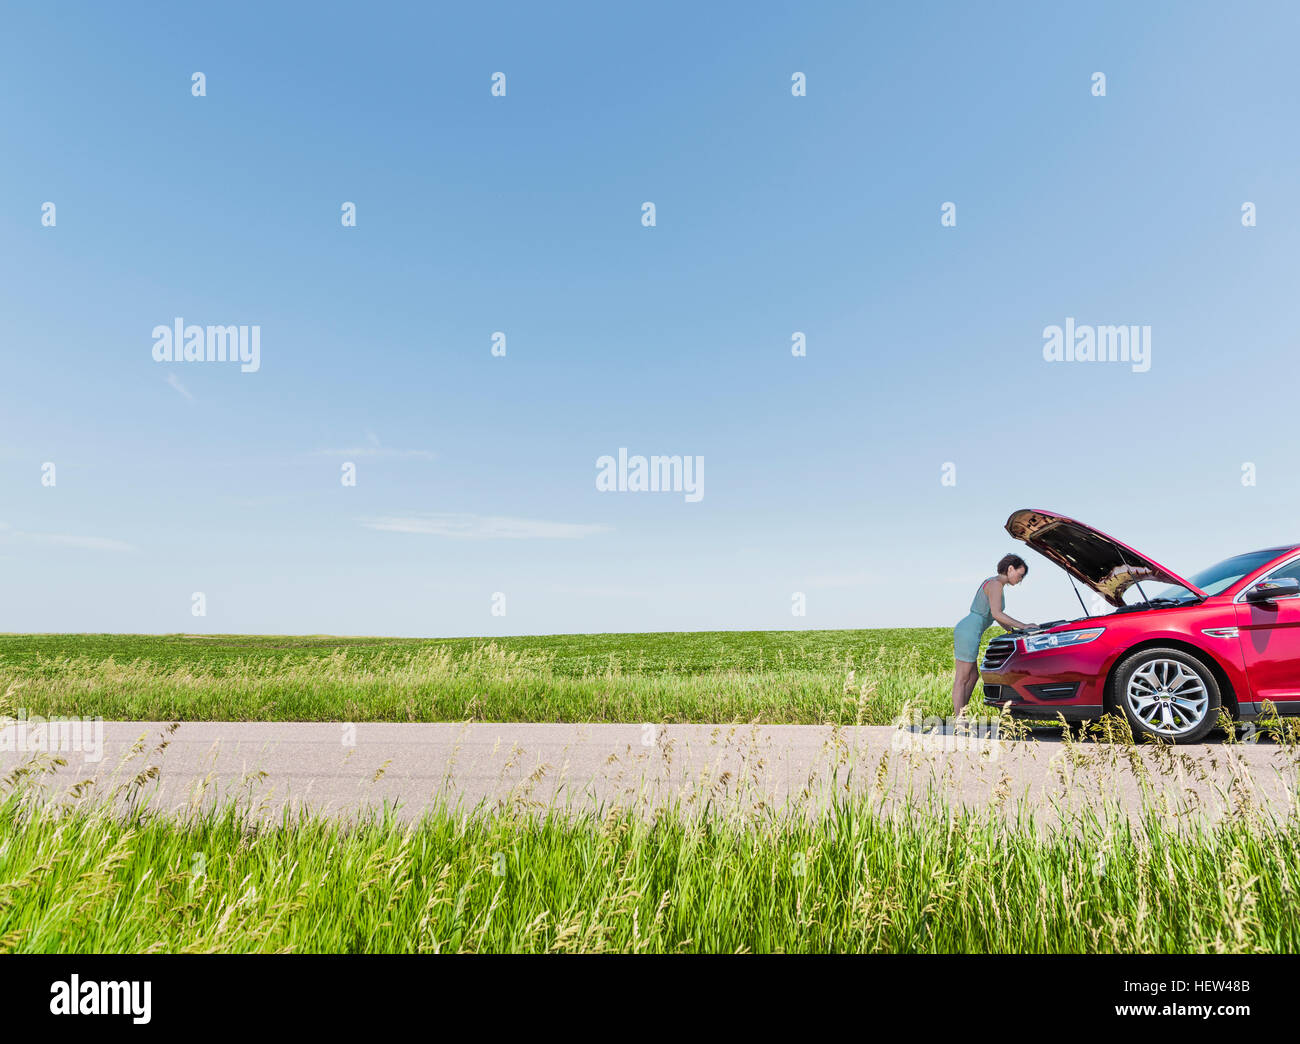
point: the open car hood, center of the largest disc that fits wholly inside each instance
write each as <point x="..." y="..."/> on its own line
<point x="1102" y="562"/>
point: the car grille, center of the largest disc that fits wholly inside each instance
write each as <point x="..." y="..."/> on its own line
<point x="998" y="653"/>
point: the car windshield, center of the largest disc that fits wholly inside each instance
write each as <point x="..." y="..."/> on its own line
<point x="1221" y="575"/>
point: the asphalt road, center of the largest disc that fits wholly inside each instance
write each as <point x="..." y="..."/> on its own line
<point x="342" y="770"/>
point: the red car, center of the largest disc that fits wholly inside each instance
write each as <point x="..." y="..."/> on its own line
<point x="1167" y="658"/>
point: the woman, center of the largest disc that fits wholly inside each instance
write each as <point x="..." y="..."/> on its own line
<point x="967" y="633"/>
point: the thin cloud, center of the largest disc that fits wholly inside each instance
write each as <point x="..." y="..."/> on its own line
<point x="856" y="579"/>
<point x="377" y="451"/>
<point x="374" y="448"/>
<point x="482" y="527"/>
<point x="85" y="543"/>
<point x="599" y="591"/>
<point x="175" y="382"/>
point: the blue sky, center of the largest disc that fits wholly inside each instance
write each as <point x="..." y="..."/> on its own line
<point x="522" y="214"/>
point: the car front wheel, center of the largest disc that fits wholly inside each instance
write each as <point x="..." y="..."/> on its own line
<point x="1169" y="694"/>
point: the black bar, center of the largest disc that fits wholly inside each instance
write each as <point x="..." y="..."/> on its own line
<point x="259" y="993"/>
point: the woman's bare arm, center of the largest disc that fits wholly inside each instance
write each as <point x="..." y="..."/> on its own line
<point x="1009" y="622"/>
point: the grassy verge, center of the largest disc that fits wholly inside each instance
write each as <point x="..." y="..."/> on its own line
<point x="83" y="880"/>
<point x="845" y="677"/>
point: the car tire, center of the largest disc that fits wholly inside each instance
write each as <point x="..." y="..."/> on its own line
<point x="1167" y="694"/>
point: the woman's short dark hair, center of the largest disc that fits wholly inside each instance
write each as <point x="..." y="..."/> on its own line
<point x="1007" y="561"/>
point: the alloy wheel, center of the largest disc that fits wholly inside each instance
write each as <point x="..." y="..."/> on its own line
<point x="1168" y="697"/>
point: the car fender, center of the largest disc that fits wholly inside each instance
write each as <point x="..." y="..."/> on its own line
<point x="1223" y="655"/>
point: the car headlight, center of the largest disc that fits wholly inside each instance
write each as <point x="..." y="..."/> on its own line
<point x="1040" y="642"/>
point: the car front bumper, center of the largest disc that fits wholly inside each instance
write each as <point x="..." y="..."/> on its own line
<point x="1066" y="682"/>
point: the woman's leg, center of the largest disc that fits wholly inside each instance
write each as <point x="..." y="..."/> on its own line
<point x="962" y="686"/>
<point x="972" y="680"/>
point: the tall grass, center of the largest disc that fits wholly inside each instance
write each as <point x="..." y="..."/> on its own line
<point x="86" y="874"/>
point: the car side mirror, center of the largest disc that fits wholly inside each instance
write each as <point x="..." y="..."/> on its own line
<point x="1280" y="587"/>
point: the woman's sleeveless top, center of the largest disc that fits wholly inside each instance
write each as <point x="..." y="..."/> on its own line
<point x="980" y="604"/>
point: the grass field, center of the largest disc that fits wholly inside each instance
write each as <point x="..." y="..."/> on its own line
<point x="845" y="677"/>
